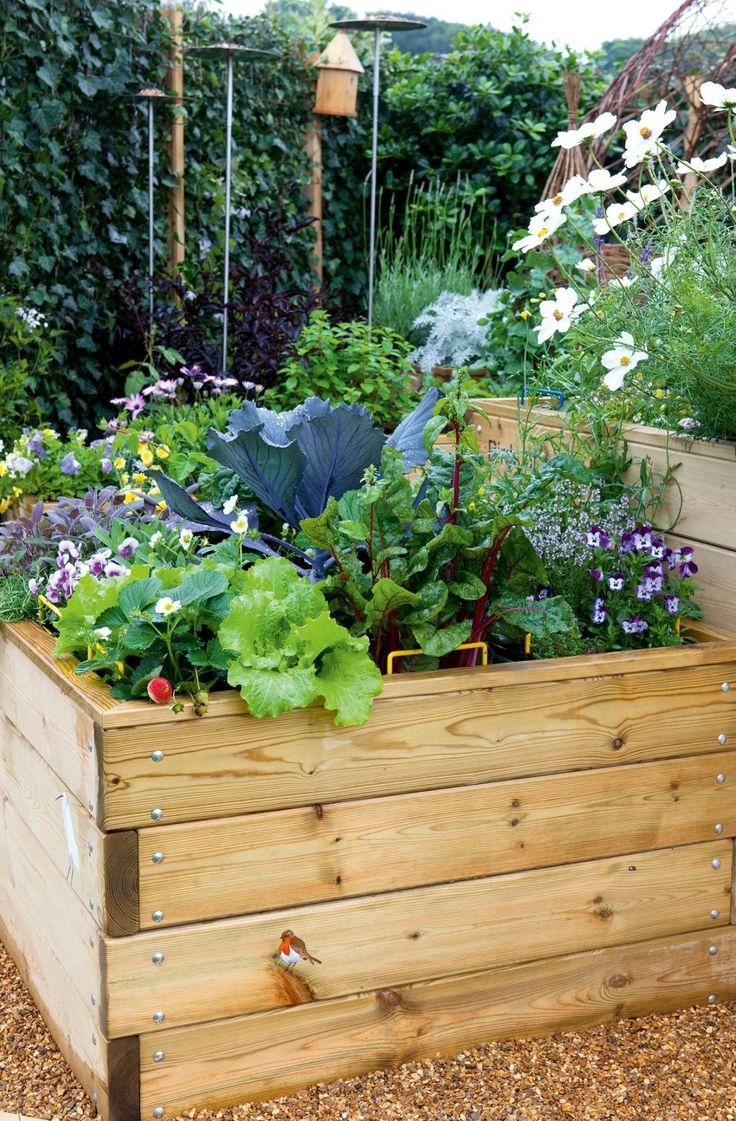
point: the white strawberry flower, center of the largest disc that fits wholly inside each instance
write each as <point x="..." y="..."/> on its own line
<point x="717" y="96"/>
<point x="185" y="538"/>
<point x="589" y="130"/>
<point x="540" y="228"/>
<point x="616" y="213"/>
<point x="695" y="163"/>
<point x="600" y="179"/>
<point x="619" y="361"/>
<point x="556" y="314"/>
<point x="155" y="538"/>
<point x="102" y="632"/>
<point x="230" y="504"/>
<point x="642" y="135"/>
<point x="240" y="525"/>
<point x="167" y="606"/>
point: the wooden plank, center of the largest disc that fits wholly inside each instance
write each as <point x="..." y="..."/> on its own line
<point x="399" y="937"/>
<point x="716" y="580"/>
<point x="222" y="766"/>
<point x="275" y="1053"/>
<point x="55" y="947"/>
<point x="261" y="862"/>
<point x="97" y="866"/>
<point x="32" y="699"/>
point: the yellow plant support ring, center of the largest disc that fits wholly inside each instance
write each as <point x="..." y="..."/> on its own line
<point x="483" y="646"/>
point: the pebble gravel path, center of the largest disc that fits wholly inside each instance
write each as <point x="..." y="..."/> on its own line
<point x="680" y="1067"/>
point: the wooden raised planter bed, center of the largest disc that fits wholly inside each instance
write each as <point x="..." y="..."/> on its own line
<point x="498" y="852"/>
<point x="704" y="494"/>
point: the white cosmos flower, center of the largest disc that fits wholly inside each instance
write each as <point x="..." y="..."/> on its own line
<point x="540" y="228"/>
<point x="621" y="282"/>
<point x="704" y="166"/>
<point x="585" y="264"/>
<point x="556" y="314"/>
<point x="658" y="264"/>
<point x="731" y="151"/>
<point x="648" y="194"/>
<point x="167" y="606"/>
<point x="717" y="96"/>
<point x="590" y="130"/>
<point x="642" y="136"/>
<point x="229" y="506"/>
<point x="616" y="213"/>
<point x="571" y="191"/>
<point x="619" y="361"/>
<point x="240" y="525"/>
<point x="600" y="179"/>
<point x="185" y="538"/>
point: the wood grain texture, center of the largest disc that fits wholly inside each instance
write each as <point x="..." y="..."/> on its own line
<point x="399" y="937"/>
<point x="33" y="700"/>
<point x="716" y="580"/>
<point x="240" y="865"/>
<point x="274" y="1053"/>
<point x="36" y="791"/>
<point x="223" y="766"/>
<point x="121" y="882"/>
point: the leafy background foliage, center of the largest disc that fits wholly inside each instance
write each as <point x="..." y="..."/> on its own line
<point x="73" y="157"/>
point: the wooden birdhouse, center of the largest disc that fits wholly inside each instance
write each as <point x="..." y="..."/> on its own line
<point x="337" y="83"/>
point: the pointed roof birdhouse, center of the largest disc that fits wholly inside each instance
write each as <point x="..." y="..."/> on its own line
<point x="337" y="83"/>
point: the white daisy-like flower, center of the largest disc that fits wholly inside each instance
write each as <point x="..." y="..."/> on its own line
<point x="541" y="227"/>
<point x="621" y="282"/>
<point x="585" y="264"/>
<point x="642" y="136"/>
<point x="556" y="314"/>
<point x="600" y="179"/>
<point x="658" y="264"/>
<point x="589" y="130"/>
<point x="102" y="632"/>
<point x="717" y="96"/>
<point x="648" y="194"/>
<point x="185" y="538"/>
<point x="695" y="163"/>
<point x="155" y="538"/>
<point x="619" y="361"/>
<point x="229" y="505"/>
<point x="240" y="525"/>
<point x="571" y="191"/>
<point x="616" y="213"/>
<point x="167" y="606"/>
<point x="730" y="152"/>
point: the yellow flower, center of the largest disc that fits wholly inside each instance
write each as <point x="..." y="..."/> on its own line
<point x="48" y="432"/>
<point x="3" y="469"/>
<point x="160" y="508"/>
<point x="163" y="452"/>
<point x="481" y="490"/>
<point x="119" y="463"/>
<point x="139" y="477"/>
<point x="124" y="479"/>
<point x="659" y="394"/>
<point x="4" y="503"/>
<point x="525" y="314"/>
<point x="129" y="497"/>
<point x="145" y="455"/>
<point x="471" y="507"/>
<point x="155" y="489"/>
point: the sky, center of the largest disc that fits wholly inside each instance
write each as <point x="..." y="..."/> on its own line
<point x="579" y="23"/>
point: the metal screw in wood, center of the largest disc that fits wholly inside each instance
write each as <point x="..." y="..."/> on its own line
<point x="158" y="1017"/>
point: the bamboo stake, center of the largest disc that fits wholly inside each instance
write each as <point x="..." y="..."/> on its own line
<point x="313" y="148"/>
<point x="175" y="86"/>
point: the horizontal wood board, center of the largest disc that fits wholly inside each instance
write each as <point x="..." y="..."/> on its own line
<point x="223" y="766"/>
<point x="259" y="862"/>
<point x="400" y="937"/>
<point x="274" y="1053"/>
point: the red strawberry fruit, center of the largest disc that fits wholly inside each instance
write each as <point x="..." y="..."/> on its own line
<point x="160" y="690"/>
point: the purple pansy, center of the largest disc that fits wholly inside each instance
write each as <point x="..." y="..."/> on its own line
<point x="70" y="465"/>
<point x="127" y="547"/>
<point x="642" y="538"/>
<point x="35" y="445"/>
<point x="616" y="581"/>
<point x="634" y="625"/>
<point x="105" y="465"/>
<point x="600" y="611"/>
<point x="672" y="603"/>
<point x="596" y="574"/>
<point x="597" y="538"/>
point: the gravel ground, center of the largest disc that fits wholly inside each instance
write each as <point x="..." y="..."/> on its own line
<point x="663" y="1068"/>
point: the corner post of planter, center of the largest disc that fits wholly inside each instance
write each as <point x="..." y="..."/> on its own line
<point x="175" y="85"/>
<point x="313" y="149"/>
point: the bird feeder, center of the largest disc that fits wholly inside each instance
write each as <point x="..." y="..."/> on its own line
<point x="337" y="83"/>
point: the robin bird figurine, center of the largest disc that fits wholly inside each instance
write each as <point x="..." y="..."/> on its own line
<point x="292" y="950"/>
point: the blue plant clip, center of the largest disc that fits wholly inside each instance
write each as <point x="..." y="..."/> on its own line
<point x="545" y="393"/>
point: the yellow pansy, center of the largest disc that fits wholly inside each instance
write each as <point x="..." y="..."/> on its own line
<point x="129" y="497"/>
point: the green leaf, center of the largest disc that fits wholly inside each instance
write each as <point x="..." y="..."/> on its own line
<point x="348" y="681"/>
<point x="436" y="642"/>
<point x="139" y="594"/>
<point x="270" y="692"/>
<point x="467" y="586"/>
<point x="139" y="636"/>
<point x="202" y="585"/>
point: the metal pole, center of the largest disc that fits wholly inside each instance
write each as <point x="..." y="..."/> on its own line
<point x="374" y="173"/>
<point x="150" y="210"/>
<point x="228" y="161"/>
